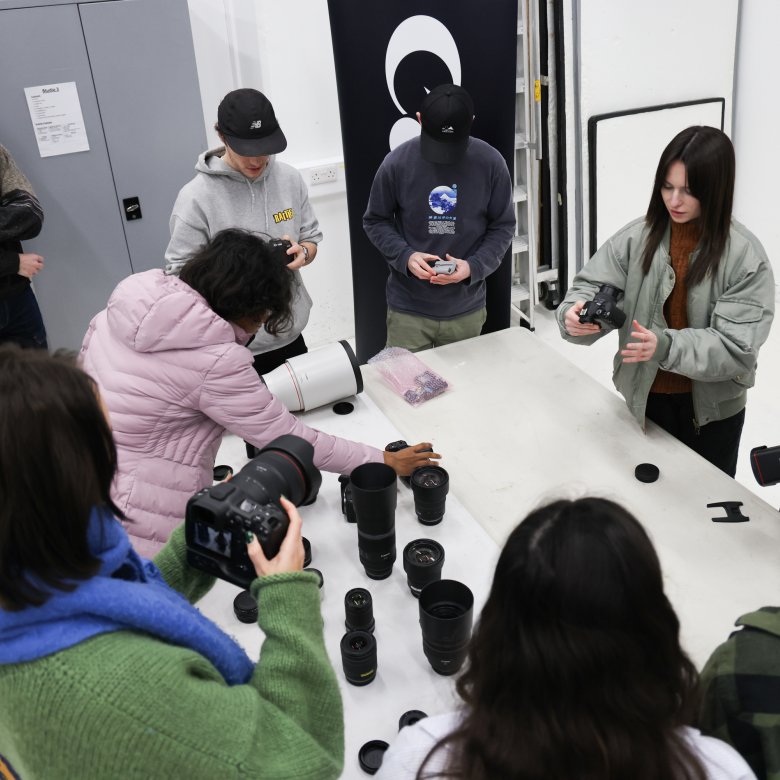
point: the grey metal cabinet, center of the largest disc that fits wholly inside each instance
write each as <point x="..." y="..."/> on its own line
<point x="134" y="66"/>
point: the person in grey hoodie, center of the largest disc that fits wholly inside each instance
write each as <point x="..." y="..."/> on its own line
<point x="242" y="185"/>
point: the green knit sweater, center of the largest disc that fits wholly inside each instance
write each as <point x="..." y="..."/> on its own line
<point x="129" y="705"/>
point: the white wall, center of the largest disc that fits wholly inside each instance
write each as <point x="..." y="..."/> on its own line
<point x="634" y="55"/>
<point x="756" y="123"/>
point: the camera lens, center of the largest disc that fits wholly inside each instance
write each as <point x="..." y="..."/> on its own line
<point x="423" y="560"/>
<point x="430" y="485"/>
<point x="319" y="576"/>
<point x="358" y="657"/>
<point x="374" y="497"/>
<point x="306" y="551"/>
<point x="245" y="607"/>
<point x="446" y="608"/>
<point x="359" y="610"/>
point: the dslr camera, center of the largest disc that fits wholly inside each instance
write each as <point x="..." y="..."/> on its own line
<point x="279" y="247"/>
<point x="603" y="309"/>
<point x="218" y="518"/>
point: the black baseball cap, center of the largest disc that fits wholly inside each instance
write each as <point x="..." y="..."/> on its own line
<point x="446" y="115"/>
<point x="248" y="124"/>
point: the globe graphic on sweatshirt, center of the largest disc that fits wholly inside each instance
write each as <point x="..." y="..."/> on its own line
<point x="443" y="200"/>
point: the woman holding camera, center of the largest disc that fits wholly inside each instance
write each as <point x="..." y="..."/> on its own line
<point x="698" y="299"/>
<point x="169" y="355"/>
<point x="575" y="668"/>
<point x="106" y="668"/>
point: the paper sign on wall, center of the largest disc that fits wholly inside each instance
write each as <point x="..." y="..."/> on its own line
<point x="56" y="116"/>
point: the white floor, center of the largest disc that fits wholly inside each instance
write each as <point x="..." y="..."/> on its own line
<point x="762" y="418"/>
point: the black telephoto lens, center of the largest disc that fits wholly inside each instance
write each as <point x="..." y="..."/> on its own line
<point x="423" y="559"/>
<point x="446" y="608"/>
<point x="358" y="657"/>
<point x="430" y="485"/>
<point x="359" y="610"/>
<point x="374" y="496"/>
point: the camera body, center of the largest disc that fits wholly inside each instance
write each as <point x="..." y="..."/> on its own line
<point x="603" y="309"/>
<point x="279" y="247"/>
<point x="347" y="507"/>
<point x="765" y="462"/>
<point x="443" y="266"/>
<point x="218" y="518"/>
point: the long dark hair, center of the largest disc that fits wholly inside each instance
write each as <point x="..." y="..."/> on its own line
<point x="57" y="460"/>
<point x="708" y="157"/>
<point x="239" y="276"/>
<point x="575" y="669"/>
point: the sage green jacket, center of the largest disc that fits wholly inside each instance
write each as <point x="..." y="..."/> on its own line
<point x="729" y="316"/>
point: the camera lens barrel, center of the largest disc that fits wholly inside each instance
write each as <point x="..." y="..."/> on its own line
<point x="359" y="610"/>
<point x="358" y="657"/>
<point x="446" y="613"/>
<point x="374" y="496"/>
<point x="430" y="485"/>
<point x="423" y="560"/>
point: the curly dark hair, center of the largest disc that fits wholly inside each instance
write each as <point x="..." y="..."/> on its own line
<point x="57" y="461"/>
<point x="241" y="277"/>
<point x="575" y="668"/>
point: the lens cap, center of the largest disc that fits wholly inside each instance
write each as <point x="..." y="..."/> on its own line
<point x="245" y="607"/>
<point x="319" y="575"/>
<point x="306" y="551"/>
<point x="371" y="754"/>
<point x="646" y="472"/>
<point x="410" y="717"/>
<point x="343" y="407"/>
<point x="221" y="473"/>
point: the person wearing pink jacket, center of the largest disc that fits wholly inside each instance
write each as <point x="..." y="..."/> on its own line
<point x="169" y="356"/>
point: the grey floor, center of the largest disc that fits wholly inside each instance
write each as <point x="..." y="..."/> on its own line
<point x="762" y="418"/>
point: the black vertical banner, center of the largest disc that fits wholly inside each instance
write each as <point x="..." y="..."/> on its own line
<point x="387" y="54"/>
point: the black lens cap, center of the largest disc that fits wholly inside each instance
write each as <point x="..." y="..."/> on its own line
<point x="306" y="551"/>
<point x="319" y="575"/>
<point x="371" y="754"/>
<point x="221" y="473"/>
<point x="410" y="717"/>
<point x="343" y="407"/>
<point x="646" y="472"/>
<point x="245" y="607"/>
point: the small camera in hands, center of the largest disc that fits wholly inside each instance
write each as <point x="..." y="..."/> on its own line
<point x="279" y="247"/>
<point x="603" y="309"/>
<point x="443" y="266"/>
<point x="218" y="518"/>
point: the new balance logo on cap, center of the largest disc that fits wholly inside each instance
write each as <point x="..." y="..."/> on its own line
<point x="448" y="129"/>
<point x="256" y="125"/>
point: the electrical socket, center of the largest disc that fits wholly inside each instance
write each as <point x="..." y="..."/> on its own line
<point x="323" y="174"/>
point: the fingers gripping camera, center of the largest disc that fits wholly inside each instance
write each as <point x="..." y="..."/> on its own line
<point x="218" y="518"/>
<point x="603" y="309"/>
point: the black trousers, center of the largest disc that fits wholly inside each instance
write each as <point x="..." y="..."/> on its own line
<point x="266" y="362"/>
<point x="717" y="441"/>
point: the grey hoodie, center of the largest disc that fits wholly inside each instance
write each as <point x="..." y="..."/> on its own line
<point x="276" y="203"/>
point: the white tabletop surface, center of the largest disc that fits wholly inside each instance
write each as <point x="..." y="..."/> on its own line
<point x="520" y="425"/>
<point x="404" y="680"/>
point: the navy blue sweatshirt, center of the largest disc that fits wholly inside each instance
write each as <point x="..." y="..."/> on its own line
<point x="464" y="210"/>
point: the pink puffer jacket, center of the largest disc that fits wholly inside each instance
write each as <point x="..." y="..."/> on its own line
<point x="174" y="376"/>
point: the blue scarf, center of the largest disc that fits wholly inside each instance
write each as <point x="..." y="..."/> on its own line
<point x="127" y="594"/>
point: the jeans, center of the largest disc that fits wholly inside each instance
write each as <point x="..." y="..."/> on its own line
<point x="21" y="321"/>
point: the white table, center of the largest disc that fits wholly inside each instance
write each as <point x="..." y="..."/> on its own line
<point x="404" y="680"/>
<point x="522" y="425"/>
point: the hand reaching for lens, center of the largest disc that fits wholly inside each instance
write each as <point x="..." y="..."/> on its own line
<point x="405" y="461"/>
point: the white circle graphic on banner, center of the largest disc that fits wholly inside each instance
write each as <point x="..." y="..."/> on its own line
<point x="403" y="130"/>
<point x="420" y="33"/>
